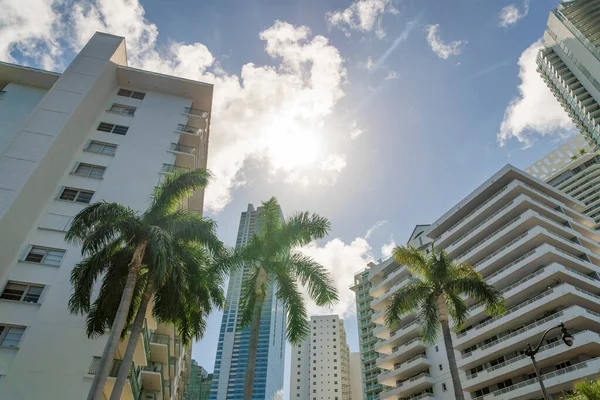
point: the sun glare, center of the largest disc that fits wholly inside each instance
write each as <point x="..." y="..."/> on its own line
<point x="290" y="145"/>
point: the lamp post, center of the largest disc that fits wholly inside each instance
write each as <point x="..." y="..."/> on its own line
<point x="566" y="337"/>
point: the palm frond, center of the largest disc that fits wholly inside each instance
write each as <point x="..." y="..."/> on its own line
<point x="406" y="300"/>
<point x="313" y="276"/>
<point x="175" y="188"/>
<point x="160" y="250"/>
<point x="302" y="228"/>
<point x="457" y="307"/>
<point x="97" y="214"/>
<point x="429" y="318"/>
<point x="414" y="259"/>
<point x="297" y="327"/>
<point x="192" y="227"/>
<point x="474" y="286"/>
<point x="248" y="294"/>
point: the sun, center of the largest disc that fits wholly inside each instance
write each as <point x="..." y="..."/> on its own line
<point x="291" y="145"/>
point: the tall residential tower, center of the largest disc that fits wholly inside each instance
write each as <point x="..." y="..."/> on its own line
<point x="232" y="348"/>
<point x="100" y="131"/>
<point x="321" y="363"/>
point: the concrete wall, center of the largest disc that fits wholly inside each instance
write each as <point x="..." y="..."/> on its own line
<point x="355" y="376"/>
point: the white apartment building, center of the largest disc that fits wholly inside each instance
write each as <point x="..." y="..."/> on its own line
<point x="570" y="63"/>
<point x="533" y="243"/>
<point x="99" y="131"/>
<point x="321" y="363"/>
<point x="356" y="391"/>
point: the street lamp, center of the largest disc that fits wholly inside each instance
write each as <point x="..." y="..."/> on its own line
<point x="566" y="337"/>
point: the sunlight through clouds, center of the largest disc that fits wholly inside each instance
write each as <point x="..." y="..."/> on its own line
<point x="275" y="113"/>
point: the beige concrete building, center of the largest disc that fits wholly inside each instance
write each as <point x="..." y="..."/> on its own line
<point x="101" y="130"/>
<point x="321" y="363"/>
<point x="355" y="376"/>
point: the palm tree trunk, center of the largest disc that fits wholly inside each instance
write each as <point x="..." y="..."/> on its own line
<point x="118" y="324"/>
<point x="136" y="330"/>
<point x="254" y="330"/>
<point x="443" y="317"/>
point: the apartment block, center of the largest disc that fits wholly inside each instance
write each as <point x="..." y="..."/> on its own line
<point x="356" y="390"/>
<point x="570" y="63"/>
<point x="535" y="245"/>
<point x="232" y="349"/>
<point x="321" y="363"/>
<point x="100" y="131"/>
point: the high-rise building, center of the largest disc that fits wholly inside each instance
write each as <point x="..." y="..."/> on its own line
<point x="321" y="363"/>
<point x="538" y="247"/>
<point x="570" y="63"/>
<point x="356" y="391"/>
<point x="200" y="383"/>
<point x="366" y="339"/>
<point x="232" y="348"/>
<point x="101" y="130"/>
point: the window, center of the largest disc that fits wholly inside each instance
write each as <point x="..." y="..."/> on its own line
<point x="107" y="149"/>
<point x="132" y="94"/>
<point x="504" y="384"/>
<point x="441" y="367"/>
<point x="89" y="170"/>
<point x="482" y="392"/>
<point x="10" y="336"/>
<point x="444" y="387"/>
<point x="22" y="292"/>
<point x="77" y="195"/>
<point x="563" y="365"/>
<point x="122" y="109"/>
<point x="112" y="128"/>
<point x="44" y="255"/>
<point x="437" y="349"/>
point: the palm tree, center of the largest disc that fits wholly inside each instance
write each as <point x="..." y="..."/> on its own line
<point x="272" y="259"/>
<point x="185" y="298"/>
<point x="435" y="293"/>
<point x="117" y="241"/>
<point x="585" y="390"/>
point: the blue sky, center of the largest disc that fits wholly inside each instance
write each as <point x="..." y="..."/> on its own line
<point x="379" y="114"/>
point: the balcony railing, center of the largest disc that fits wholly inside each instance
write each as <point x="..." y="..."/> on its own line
<point x="193" y="130"/>
<point x="170" y="168"/>
<point x="114" y="371"/>
<point x="501" y="249"/>
<point x="182" y="148"/>
<point x="159" y="338"/>
<point x="195" y="112"/>
<point x="492" y="235"/>
<point x="495" y="213"/>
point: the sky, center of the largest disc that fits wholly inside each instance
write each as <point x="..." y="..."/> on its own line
<point x="378" y="114"/>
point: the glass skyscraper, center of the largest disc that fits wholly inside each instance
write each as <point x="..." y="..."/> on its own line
<point x="232" y="350"/>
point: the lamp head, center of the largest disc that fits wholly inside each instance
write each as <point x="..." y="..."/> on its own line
<point x="566" y="336"/>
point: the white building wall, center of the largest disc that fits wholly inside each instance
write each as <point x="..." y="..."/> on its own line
<point x="355" y="376"/>
<point x="54" y="355"/>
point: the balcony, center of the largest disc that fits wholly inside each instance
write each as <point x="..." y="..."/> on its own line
<point x="381" y="302"/>
<point x="189" y="130"/>
<point x="159" y="348"/>
<point x="171" y="169"/>
<point x="575" y="316"/>
<point x="151" y="377"/>
<point x="131" y="390"/>
<point x="585" y="342"/>
<point x="388" y="280"/>
<point x="410" y="330"/>
<point x="182" y="149"/>
<point x="404" y="369"/>
<point x="401" y="353"/>
<point x="411" y="385"/>
<point x="555" y="382"/>
<point x="195" y="112"/>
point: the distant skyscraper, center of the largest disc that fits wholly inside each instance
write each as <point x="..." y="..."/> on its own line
<point x="200" y="382"/>
<point x="232" y="350"/>
<point x="570" y="63"/>
<point x="321" y="363"/>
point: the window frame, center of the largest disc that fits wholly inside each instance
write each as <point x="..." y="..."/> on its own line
<point x="45" y="256"/>
<point x="104" y="146"/>
<point x="6" y="331"/>
<point x="132" y="94"/>
<point x="92" y="167"/>
<point x="123" y="107"/>
<point x="25" y="293"/>
<point x="79" y="192"/>
<point x="122" y="129"/>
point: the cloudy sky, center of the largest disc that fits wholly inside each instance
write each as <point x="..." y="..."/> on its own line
<point x="379" y="114"/>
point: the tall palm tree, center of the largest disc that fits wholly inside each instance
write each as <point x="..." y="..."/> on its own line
<point x="272" y="257"/>
<point x="185" y="298"/>
<point x="109" y="231"/>
<point x="585" y="390"/>
<point x="435" y="293"/>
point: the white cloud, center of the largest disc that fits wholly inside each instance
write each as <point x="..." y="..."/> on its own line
<point x="534" y="110"/>
<point x="355" y="130"/>
<point x="331" y="166"/>
<point x="275" y="113"/>
<point x="342" y="261"/>
<point x="387" y="248"/>
<point x="440" y="48"/>
<point x="376" y="226"/>
<point x="511" y="14"/>
<point x="363" y="16"/>
<point x="392" y="75"/>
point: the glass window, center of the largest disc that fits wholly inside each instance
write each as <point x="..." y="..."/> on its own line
<point x="122" y="109"/>
<point x="44" y="255"/>
<point x="76" y="195"/>
<point x="22" y="292"/>
<point x="10" y="336"/>
<point x="95" y="146"/>
<point x="89" y="170"/>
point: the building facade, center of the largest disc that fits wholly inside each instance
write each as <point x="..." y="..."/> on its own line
<point x="570" y="63"/>
<point x="232" y="348"/>
<point x="99" y="131"/>
<point x="321" y="363"/>
<point x="356" y="390"/>
<point x="199" y="384"/>
<point x="366" y="339"/>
